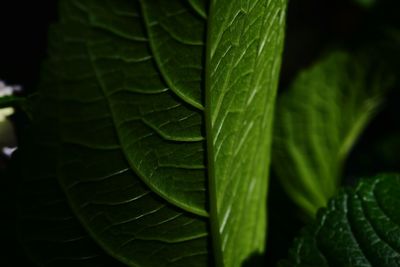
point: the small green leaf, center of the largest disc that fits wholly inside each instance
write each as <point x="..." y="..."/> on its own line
<point x="318" y="121"/>
<point x="23" y="103"/>
<point x="10" y="101"/>
<point x="359" y="228"/>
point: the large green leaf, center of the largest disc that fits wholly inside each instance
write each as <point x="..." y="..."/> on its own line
<point x="318" y="121"/>
<point x="129" y="79"/>
<point x="48" y="229"/>
<point x="118" y="122"/>
<point x="245" y="41"/>
<point x="115" y="84"/>
<point x="49" y="232"/>
<point x="359" y="228"/>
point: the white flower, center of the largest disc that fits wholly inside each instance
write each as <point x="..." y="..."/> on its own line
<point x="7" y="151"/>
<point x="7" y="135"/>
<point x="7" y="90"/>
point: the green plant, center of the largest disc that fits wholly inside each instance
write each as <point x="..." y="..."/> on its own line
<point x="359" y="227"/>
<point x="161" y="122"/>
<point x="150" y="140"/>
<point x="318" y="121"/>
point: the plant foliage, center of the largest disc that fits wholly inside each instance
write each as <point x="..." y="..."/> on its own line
<point x="319" y="119"/>
<point x="359" y="227"/>
<point x="154" y="119"/>
<point x="149" y="139"/>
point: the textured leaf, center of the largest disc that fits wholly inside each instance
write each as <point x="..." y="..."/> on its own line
<point x="119" y="122"/>
<point x="359" y="228"/>
<point x="245" y="41"/>
<point x="48" y="229"/>
<point x="126" y="96"/>
<point x="319" y="119"/>
<point x="129" y="80"/>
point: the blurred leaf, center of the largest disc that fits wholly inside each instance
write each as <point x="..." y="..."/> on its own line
<point x="10" y="101"/>
<point x="366" y="3"/>
<point x="319" y="119"/>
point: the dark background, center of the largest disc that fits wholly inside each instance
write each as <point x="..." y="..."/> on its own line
<point x="313" y="27"/>
<point x="23" y="38"/>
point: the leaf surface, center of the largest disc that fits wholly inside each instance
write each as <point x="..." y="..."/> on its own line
<point x="319" y="119"/>
<point x="119" y="126"/>
<point x="130" y="80"/>
<point x="243" y="61"/>
<point x="158" y="132"/>
<point x="359" y="228"/>
<point x="48" y="229"/>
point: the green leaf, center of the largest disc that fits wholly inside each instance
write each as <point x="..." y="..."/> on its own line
<point x="319" y="119"/>
<point x="47" y="228"/>
<point x="23" y="103"/>
<point x="10" y="101"/>
<point x="366" y="3"/>
<point x="121" y="127"/>
<point x="360" y="227"/>
<point x="140" y="169"/>
<point x="243" y="60"/>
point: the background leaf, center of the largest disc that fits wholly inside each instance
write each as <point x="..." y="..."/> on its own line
<point x="359" y="228"/>
<point x="319" y="119"/>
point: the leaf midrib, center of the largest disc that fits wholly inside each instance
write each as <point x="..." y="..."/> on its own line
<point x="213" y="209"/>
